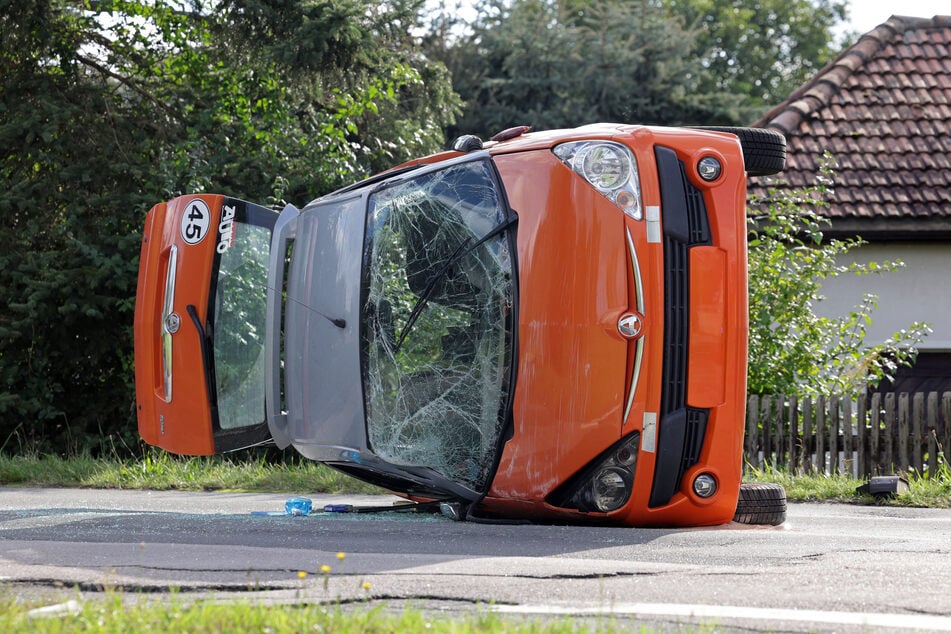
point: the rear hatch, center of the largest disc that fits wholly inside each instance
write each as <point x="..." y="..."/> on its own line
<point x="199" y="324"/>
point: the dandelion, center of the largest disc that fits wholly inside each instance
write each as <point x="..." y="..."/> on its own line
<point x="326" y="570"/>
<point x="341" y="556"/>
<point x="366" y="586"/>
<point x="302" y="574"/>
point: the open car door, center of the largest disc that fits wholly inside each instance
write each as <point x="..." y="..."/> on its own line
<point x="201" y="305"/>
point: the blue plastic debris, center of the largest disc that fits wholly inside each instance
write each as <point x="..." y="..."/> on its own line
<point x="298" y="506"/>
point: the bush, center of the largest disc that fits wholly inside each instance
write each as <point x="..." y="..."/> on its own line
<point x="792" y="349"/>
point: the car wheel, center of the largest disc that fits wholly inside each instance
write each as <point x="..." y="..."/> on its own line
<point x="764" y="150"/>
<point x="761" y="503"/>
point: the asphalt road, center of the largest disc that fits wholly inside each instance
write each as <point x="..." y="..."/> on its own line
<point x="828" y="568"/>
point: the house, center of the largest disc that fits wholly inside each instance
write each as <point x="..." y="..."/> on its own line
<point x="883" y="110"/>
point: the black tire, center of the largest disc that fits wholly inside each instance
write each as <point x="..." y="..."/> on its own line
<point x="764" y="150"/>
<point x="466" y="143"/>
<point x="761" y="503"/>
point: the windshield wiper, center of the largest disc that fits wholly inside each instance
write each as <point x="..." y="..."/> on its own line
<point x="460" y="252"/>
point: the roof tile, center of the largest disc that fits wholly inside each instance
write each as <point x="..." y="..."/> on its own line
<point x="882" y="108"/>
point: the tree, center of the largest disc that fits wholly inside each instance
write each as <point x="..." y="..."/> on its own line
<point x="553" y="63"/>
<point x="793" y="350"/>
<point x="110" y="106"/>
<point x="761" y="49"/>
<point x="559" y="64"/>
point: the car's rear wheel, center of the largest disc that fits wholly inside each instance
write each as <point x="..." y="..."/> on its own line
<point x="764" y="150"/>
<point x="761" y="503"/>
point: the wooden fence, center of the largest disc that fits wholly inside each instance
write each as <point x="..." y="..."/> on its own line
<point x="871" y="435"/>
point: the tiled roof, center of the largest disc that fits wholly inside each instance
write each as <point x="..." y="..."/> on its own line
<point x="883" y="109"/>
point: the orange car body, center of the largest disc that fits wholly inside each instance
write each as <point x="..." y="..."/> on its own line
<point x="629" y="326"/>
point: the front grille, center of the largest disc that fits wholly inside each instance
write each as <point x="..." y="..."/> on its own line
<point x="676" y="324"/>
<point x="699" y="225"/>
<point x="682" y="430"/>
<point x="693" y="439"/>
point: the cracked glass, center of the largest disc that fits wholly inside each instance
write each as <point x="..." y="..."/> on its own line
<point x="438" y="322"/>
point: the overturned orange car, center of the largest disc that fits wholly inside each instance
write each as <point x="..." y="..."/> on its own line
<point x="548" y="326"/>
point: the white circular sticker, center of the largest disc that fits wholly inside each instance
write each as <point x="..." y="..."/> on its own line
<point x="196" y="218"/>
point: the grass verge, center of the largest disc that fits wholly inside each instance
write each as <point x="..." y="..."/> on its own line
<point x="923" y="491"/>
<point x="113" y="615"/>
<point x="159" y="470"/>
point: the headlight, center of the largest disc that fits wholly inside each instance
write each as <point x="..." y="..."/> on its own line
<point x="610" y="489"/>
<point x="605" y="485"/>
<point x="610" y="168"/>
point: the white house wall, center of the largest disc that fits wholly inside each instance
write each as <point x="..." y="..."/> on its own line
<point x="921" y="291"/>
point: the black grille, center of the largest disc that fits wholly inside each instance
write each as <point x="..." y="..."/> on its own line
<point x="682" y="429"/>
<point x="676" y="323"/>
<point x="699" y="225"/>
<point x="693" y="438"/>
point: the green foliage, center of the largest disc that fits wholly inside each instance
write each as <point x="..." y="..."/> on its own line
<point x="108" y="107"/>
<point x="761" y="50"/>
<point x="561" y="63"/>
<point x="792" y="349"/>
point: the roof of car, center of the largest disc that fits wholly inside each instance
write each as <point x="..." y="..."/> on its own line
<point x="882" y="109"/>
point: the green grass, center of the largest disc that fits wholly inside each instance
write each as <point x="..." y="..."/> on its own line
<point x="923" y="491"/>
<point x="114" y="613"/>
<point x="159" y="470"/>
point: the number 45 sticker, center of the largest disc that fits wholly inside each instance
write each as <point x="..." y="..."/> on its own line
<point x="196" y="219"/>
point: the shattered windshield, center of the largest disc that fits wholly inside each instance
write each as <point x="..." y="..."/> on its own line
<point x="438" y="322"/>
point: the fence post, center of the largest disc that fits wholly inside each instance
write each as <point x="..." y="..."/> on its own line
<point x="890" y="424"/>
<point x="875" y="430"/>
<point x="752" y="431"/>
<point x="833" y="435"/>
<point x="777" y="413"/>
<point x="793" y="433"/>
<point x="847" y="460"/>
<point x="820" y="434"/>
<point x="917" y="423"/>
<point x="766" y="422"/>
<point x="946" y="410"/>
<point x="932" y="433"/>
<point x="903" y="432"/>
<point x="862" y="451"/>
<point x="807" y="443"/>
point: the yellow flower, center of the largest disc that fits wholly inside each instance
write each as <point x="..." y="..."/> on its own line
<point x="341" y="556"/>
<point x="325" y="569"/>
<point x="302" y="574"/>
<point x="366" y="585"/>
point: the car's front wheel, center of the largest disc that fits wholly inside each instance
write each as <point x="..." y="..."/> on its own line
<point x="761" y="503"/>
<point x="764" y="150"/>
